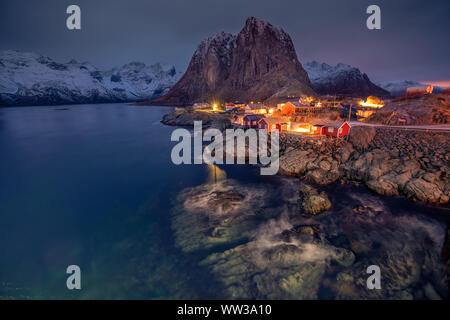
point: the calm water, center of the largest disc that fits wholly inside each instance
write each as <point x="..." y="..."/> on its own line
<point x="94" y="186"/>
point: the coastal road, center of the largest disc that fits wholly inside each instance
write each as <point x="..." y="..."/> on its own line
<point x="436" y="127"/>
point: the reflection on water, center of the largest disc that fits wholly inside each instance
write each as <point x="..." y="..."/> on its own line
<point x="215" y="174"/>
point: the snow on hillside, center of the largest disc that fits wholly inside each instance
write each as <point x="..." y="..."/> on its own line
<point x="322" y="72"/>
<point x="29" y="78"/>
<point x="341" y="79"/>
<point x="398" y="87"/>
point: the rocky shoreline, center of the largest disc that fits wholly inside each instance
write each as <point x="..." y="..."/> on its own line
<point x="185" y="117"/>
<point x="388" y="161"/>
<point x="294" y="241"/>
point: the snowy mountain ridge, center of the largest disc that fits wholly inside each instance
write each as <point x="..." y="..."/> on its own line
<point x="31" y="79"/>
<point x="398" y="87"/>
<point x="341" y="79"/>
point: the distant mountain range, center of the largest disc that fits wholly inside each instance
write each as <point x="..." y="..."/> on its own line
<point x="398" y="87"/>
<point x="32" y="79"/>
<point x="259" y="63"/>
<point x="341" y="79"/>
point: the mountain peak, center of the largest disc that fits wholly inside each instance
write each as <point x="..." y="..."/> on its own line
<point x="255" y="22"/>
<point x="32" y="79"/>
<point x="341" y="79"/>
<point x="257" y="64"/>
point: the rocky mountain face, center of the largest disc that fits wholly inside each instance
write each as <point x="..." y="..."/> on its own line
<point x="341" y="79"/>
<point x="257" y="64"/>
<point x="32" y="79"/>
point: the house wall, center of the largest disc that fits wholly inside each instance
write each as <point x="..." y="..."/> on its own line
<point x="288" y="108"/>
<point x="250" y="123"/>
<point x="338" y="132"/>
<point x="318" y="130"/>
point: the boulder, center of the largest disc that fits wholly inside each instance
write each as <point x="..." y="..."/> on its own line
<point x="361" y="137"/>
<point x="314" y="202"/>
<point x="425" y="191"/>
<point x="383" y="185"/>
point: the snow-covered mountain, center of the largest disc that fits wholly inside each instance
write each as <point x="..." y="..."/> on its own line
<point x="398" y="87"/>
<point x="341" y="79"/>
<point x="32" y="79"/>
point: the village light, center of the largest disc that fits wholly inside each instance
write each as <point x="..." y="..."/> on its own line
<point x="368" y="103"/>
<point x="214" y="107"/>
<point x="304" y="130"/>
<point x="271" y="110"/>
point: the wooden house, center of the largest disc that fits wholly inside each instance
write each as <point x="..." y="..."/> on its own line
<point x="239" y="118"/>
<point x="256" y="108"/>
<point x="273" y="123"/>
<point x="330" y="128"/>
<point x="251" y="120"/>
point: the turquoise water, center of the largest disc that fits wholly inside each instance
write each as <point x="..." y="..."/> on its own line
<point x="93" y="185"/>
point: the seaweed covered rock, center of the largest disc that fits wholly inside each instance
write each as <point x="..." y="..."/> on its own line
<point x="278" y="264"/>
<point x="314" y="202"/>
<point x="217" y="213"/>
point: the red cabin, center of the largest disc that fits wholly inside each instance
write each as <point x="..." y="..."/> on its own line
<point x="331" y="128"/>
<point x="287" y="108"/>
<point x="318" y="130"/>
<point x="338" y="130"/>
<point x="272" y="124"/>
<point x="239" y="119"/>
<point x="251" y="120"/>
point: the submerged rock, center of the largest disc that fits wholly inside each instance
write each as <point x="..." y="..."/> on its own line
<point x="278" y="264"/>
<point x="314" y="202"/>
<point x="217" y="213"/>
<point x="275" y="253"/>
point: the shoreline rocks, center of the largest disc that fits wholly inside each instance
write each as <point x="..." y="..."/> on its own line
<point x="185" y="117"/>
<point x="390" y="162"/>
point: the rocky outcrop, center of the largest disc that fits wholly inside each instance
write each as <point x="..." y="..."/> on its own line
<point x="316" y="159"/>
<point x="213" y="214"/>
<point x="314" y="202"/>
<point x="180" y="117"/>
<point x="390" y="162"/>
<point x="257" y="64"/>
<point x="430" y="109"/>
<point x="254" y="243"/>
<point x="361" y="137"/>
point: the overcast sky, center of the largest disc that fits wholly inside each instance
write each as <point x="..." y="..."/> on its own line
<point x="413" y="43"/>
